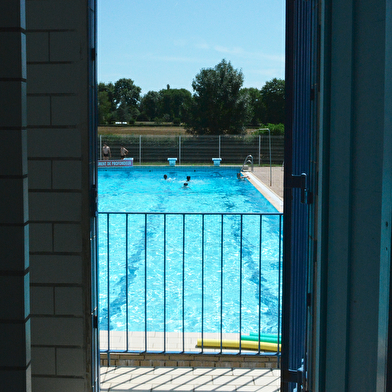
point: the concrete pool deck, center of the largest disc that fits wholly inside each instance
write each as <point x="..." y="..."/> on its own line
<point x="140" y="379"/>
<point x="269" y="183"/>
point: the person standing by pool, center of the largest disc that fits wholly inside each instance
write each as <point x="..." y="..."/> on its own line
<point x="123" y="152"/>
<point x="106" y="152"/>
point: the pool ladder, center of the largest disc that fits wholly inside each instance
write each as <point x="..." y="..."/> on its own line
<point x="248" y="159"/>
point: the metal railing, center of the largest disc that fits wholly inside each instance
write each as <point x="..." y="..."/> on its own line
<point x="147" y="149"/>
<point x="169" y="281"/>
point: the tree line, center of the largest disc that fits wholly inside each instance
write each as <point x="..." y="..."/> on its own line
<point x="219" y="104"/>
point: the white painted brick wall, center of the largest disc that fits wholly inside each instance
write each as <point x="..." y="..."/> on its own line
<point x="55" y="206"/>
<point x="65" y="46"/>
<point x="59" y="143"/>
<point x="38" y="46"/>
<point x="69" y="301"/>
<point x="57" y="331"/>
<point x="67" y="175"/>
<point x="56" y="269"/>
<point x="52" y="78"/>
<point x="13" y="164"/>
<point x="43" y="360"/>
<point x="42" y="300"/>
<point x="41" y="175"/>
<point x="38" y="110"/>
<point x="67" y="237"/>
<point x="15" y="304"/>
<point x="15" y="98"/>
<point x="14" y="254"/>
<point x="69" y="361"/>
<point x="57" y="94"/>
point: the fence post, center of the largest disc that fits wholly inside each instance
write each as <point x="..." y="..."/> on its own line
<point x="259" y="150"/>
<point x="219" y="153"/>
<point x="140" y="149"/>
<point x="179" y="149"/>
<point x="100" y="147"/>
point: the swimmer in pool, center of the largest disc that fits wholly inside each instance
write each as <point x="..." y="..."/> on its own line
<point x="241" y="177"/>
<point x="188" y="178"/>
<point x="165" y="176"/>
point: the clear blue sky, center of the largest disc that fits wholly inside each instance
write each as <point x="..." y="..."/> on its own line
<point x="160" y="42"/>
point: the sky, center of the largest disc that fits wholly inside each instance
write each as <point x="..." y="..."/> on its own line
<point x="167" y="42"/>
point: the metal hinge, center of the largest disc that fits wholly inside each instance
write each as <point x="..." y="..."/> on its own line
<point x="299" y="181"/>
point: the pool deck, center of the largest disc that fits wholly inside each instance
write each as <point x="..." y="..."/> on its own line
<point x="270" y="183"/>
<point x="121" y="379"/>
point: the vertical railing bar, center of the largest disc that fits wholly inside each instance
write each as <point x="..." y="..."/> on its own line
<point x="221" y="307"/>
<point x="202" y="283"/>
<point x="260" y="250"/>
<point x="126" y="282"/>
<point x="108" y="294"/>
<point x="164" y="282"/>
<point x="145" y="282"/>
<point x="279" y="283"/>
<point x="183" y="282"/>
<point x="240" y="348"/>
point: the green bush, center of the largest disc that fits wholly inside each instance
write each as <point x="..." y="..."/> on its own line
<point x="276" y="129"/>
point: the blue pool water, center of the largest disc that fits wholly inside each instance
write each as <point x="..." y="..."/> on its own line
<point x="205" y="270"/>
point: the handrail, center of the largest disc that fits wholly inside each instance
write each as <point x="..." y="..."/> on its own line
<point x="210" y="244"/>
<point x="248" y="159"/>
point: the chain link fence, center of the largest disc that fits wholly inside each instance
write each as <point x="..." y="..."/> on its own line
<point x="189" y="150"/>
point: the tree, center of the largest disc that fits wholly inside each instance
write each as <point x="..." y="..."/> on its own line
<point x="273" y="96"/>
<point x="106" y="106"/>
<point x="218" y="105"/>
<point x="149" y="104"/>
<point x="127" y="99"/>
<point x="175" y="103"/>
<point x="257" y="107"/>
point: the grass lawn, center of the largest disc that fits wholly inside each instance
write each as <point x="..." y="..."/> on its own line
<point x="141" y="130"/>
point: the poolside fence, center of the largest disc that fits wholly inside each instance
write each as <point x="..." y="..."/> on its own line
<point x="170" y="281"/>
<point x="188" y="149"/>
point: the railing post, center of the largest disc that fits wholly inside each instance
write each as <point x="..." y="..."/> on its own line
<point x="179" y="149"/>
<point x="100" y="147"/>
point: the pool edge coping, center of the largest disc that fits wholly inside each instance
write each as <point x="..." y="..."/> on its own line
<point x="266" y="191"/>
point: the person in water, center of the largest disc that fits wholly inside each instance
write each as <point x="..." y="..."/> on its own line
<point x="241" y="177"/>
<point x="188" y="178"/>
<point x="165" y="176"/>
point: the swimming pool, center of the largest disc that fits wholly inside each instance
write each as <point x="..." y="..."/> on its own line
<point x="198" y="257"/>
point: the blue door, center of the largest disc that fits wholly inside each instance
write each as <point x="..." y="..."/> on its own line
<point x="301" y="90"/>
<point x="93" y="156"/>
